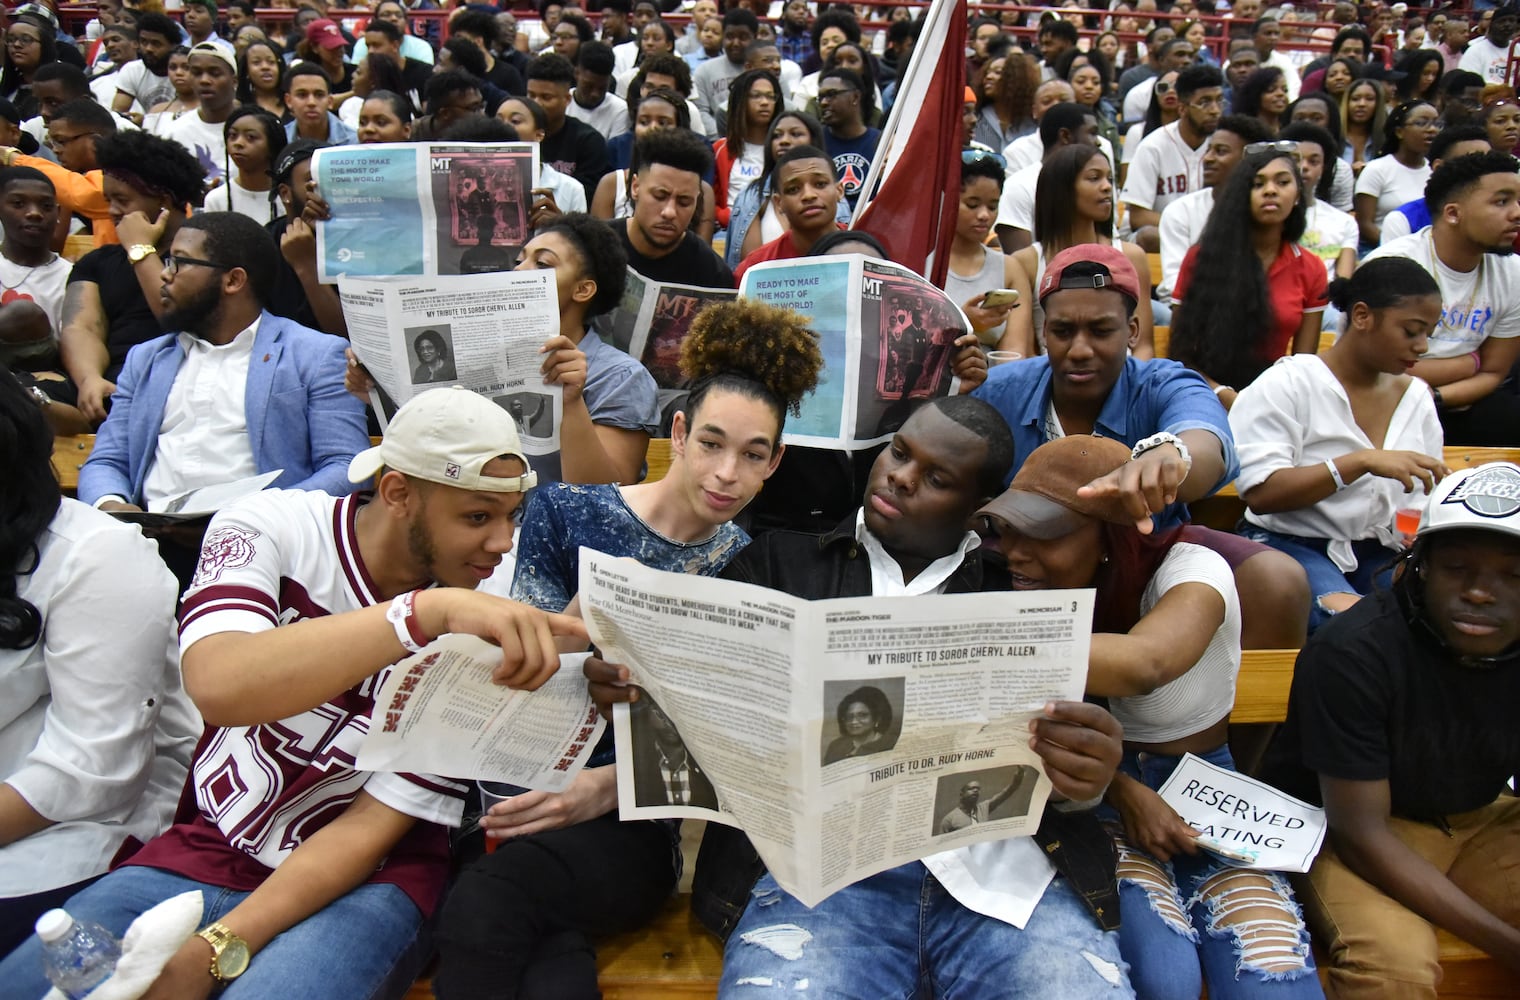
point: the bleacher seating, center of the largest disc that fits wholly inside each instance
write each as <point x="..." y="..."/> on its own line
<point x="674" y="958"/>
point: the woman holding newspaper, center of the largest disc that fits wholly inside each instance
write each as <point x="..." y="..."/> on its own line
<point x="1165" y="653"/>
<point x="565" y="868"/>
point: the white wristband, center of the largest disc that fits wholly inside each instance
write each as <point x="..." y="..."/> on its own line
<point x="402" y="614"/>
<point x="1335" y="474"/>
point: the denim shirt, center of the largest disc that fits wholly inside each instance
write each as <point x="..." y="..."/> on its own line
<point x="1150" y="396"/>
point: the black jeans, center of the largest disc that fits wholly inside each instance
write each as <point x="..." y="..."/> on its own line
<point x="518" y="923"/>
<point x="1491" y="422"/>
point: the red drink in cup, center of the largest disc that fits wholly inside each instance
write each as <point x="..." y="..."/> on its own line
<point x="1407" y="520"/>
<point x="492" y="792"/>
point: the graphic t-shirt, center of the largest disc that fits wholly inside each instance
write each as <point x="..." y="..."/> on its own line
<point x="1475" y="305"/>
<point x="260" y="791"/>
<point x="852" y="160"/>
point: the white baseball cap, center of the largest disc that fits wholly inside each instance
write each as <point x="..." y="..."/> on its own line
<point x="448" y="436"/>
<point x="1486" y="498"/>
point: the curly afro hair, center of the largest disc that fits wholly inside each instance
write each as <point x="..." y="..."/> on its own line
<point x="142" y="158"/>
<point x="760" y="351"/>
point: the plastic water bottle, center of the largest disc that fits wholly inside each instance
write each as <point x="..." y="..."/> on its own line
<point x="77" y="956"/>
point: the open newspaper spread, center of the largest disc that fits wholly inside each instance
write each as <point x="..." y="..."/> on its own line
<point x="887" y="336"/>
<point x="743" y="689"/>
<point x="481" y="331"/>
<point x="416" y="209"/>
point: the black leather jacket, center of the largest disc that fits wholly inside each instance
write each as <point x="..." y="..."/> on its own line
<point x="818" y="567"/>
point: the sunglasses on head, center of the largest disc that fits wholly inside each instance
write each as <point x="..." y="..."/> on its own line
<point x="969" y="156"/>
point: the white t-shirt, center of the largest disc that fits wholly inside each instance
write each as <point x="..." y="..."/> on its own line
<point x="744" y="171"/>
<point x="43" y="284"/>
<point x="142" y="86"/>
<point x="254" y="204"/>
<point x="1023" y="151"/>
<point x="101" y="752"/>
<point x="204" y="139"/>
<point x="1391" y="183"/>
<point x="1016" y="205"/>
<point x="1486" y="59"/>
<point x="1133" y="136"/>
<point x="1138" y="101"/>
<point x="1327" y="232"/>
<point x="1181" y="228"/>
<point x="1202" y="696"/>
<point x="1475" y="305"/>
<point x="1164" y="169"/>
<point x="609" y="117"/>
<point x="1297" y="414"/>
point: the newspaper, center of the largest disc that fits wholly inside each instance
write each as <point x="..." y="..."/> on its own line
<point x="760" y="723"/>
<point x="480" y="331"/>
<point x="1245" y="822"/>
<point x="193" y="505"/>
<point x="888" y="341"/>
<point x="651" y="322"/>
<point x="439" y="712"/>
<point x="418" y="209"/>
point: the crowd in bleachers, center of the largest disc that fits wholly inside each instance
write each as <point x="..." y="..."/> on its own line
<point x="1341" y="176"/>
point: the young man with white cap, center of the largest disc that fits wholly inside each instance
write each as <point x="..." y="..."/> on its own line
<point x="318" y="877"/>
<point x="214" y="70"/>
<point x="1401" y="722"/>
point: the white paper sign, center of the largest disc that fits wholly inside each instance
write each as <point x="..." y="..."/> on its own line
<point x="1247" y="823"/>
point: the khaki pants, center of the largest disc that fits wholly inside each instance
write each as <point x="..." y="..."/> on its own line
<point x="1377" y="948"/>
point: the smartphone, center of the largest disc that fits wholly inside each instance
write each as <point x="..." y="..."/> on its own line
<point x="998" y="298"/>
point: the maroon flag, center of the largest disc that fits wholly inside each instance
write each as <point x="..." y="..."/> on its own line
<point x="911" y="195"/>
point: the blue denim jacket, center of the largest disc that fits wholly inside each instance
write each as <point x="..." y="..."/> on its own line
<point x="1150" y="396"/>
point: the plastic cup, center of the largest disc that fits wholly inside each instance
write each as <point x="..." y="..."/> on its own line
<point x="995" y="358"/>
<point x="1407" y="519"/>
<point x="492" y="792"/>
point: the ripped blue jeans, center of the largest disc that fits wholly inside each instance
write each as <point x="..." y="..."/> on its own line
<point x="1373" y="571"/>
<point x="899" y="934"/>
<point x="1196" y="918"/>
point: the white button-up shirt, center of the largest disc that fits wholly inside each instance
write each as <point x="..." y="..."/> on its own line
<point x="203" y="439"/>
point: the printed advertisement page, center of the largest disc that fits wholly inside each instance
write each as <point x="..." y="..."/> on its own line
<point x="416" y="209"/>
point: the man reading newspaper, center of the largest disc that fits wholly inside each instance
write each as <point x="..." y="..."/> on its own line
<point x="929" y="919"/>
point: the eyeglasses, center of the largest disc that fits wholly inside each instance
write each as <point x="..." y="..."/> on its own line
<point x="1162" y="87"/>
<point x="969" y="156"/>
<point x="177" y="261"/>
<point x="1286" y="146"/>
<point x="20" y="41"/>
<point x="829" y="95"/>
<point x="59" y="141"/>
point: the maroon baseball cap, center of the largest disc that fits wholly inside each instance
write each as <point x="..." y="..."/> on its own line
<point x="325" y="33"/>
<point x="1114" y="271"/>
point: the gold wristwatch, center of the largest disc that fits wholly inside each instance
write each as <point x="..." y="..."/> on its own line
<point x="139" y="252"/>
<point x="229" y="953"/>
